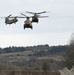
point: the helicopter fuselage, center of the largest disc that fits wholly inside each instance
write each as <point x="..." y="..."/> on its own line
<point x="35" y="18"/>
<point x="8" y="21"/>
<point x="28" y="24"/>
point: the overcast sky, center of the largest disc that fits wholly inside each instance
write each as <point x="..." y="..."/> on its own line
<point x="54" y="30"/>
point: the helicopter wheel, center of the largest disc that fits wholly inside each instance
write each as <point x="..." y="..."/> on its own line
<point x="24" y="27"/>
<point x="28" y="26"/>
<point x="31" y="27"/>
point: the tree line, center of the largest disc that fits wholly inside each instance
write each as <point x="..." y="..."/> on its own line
<point x="39" y="50"/>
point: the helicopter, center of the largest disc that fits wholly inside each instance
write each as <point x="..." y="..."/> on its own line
<point x="35" y="16"/>
<point x="10" y="20"/>
<point x="27" y="22"/>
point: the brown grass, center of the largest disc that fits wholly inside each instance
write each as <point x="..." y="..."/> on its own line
<point x="27" y="72"/>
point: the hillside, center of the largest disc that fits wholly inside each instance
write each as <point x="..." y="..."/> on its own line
<point x="40" y="49"/>
<point x="32" y="57"/>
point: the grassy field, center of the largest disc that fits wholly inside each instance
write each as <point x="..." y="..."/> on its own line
<point x="27" y="72"/>
<point x="15" y="57"/>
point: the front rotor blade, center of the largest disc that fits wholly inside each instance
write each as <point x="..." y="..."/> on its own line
<point x="26" y="15"/>
<point x="23" y="14"/>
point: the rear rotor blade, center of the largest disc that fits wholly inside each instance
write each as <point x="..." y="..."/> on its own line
<point x="26" y="15"/>
<point x="41" y="12"/>
<point x="36" y="13"/>
<point x="30" y="12"/>
<point x="43" y="16"/>
<point x="44" y="12"/>
<point x="9" y="15"/>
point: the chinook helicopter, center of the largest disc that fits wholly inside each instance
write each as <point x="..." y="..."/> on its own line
<point x="27" y="22"/>
<point x="35" y="16"/>
<point x="10" y="20"/>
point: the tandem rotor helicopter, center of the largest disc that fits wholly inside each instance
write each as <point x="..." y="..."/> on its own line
<point x="27" y="23"/>
<point x="11" y="19"/>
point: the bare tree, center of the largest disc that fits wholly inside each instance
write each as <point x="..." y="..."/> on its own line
<point x="70" y="55"/>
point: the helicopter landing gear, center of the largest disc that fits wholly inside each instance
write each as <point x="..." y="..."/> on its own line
<point x="27" y="26"/>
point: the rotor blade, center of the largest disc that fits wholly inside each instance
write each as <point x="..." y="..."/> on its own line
<point x="41" y="12"/>
<point x="30" y="12"/>
<point x="43" y="16"/>
<point x="36" y="13"/>
<point x="44" y="12"/>
<point x="26" y="15"/>
<point x="20" y="17"/>
<point x="9" y="15"/>
<point x="17" y="17"/>
<point x="23" y="14"/>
